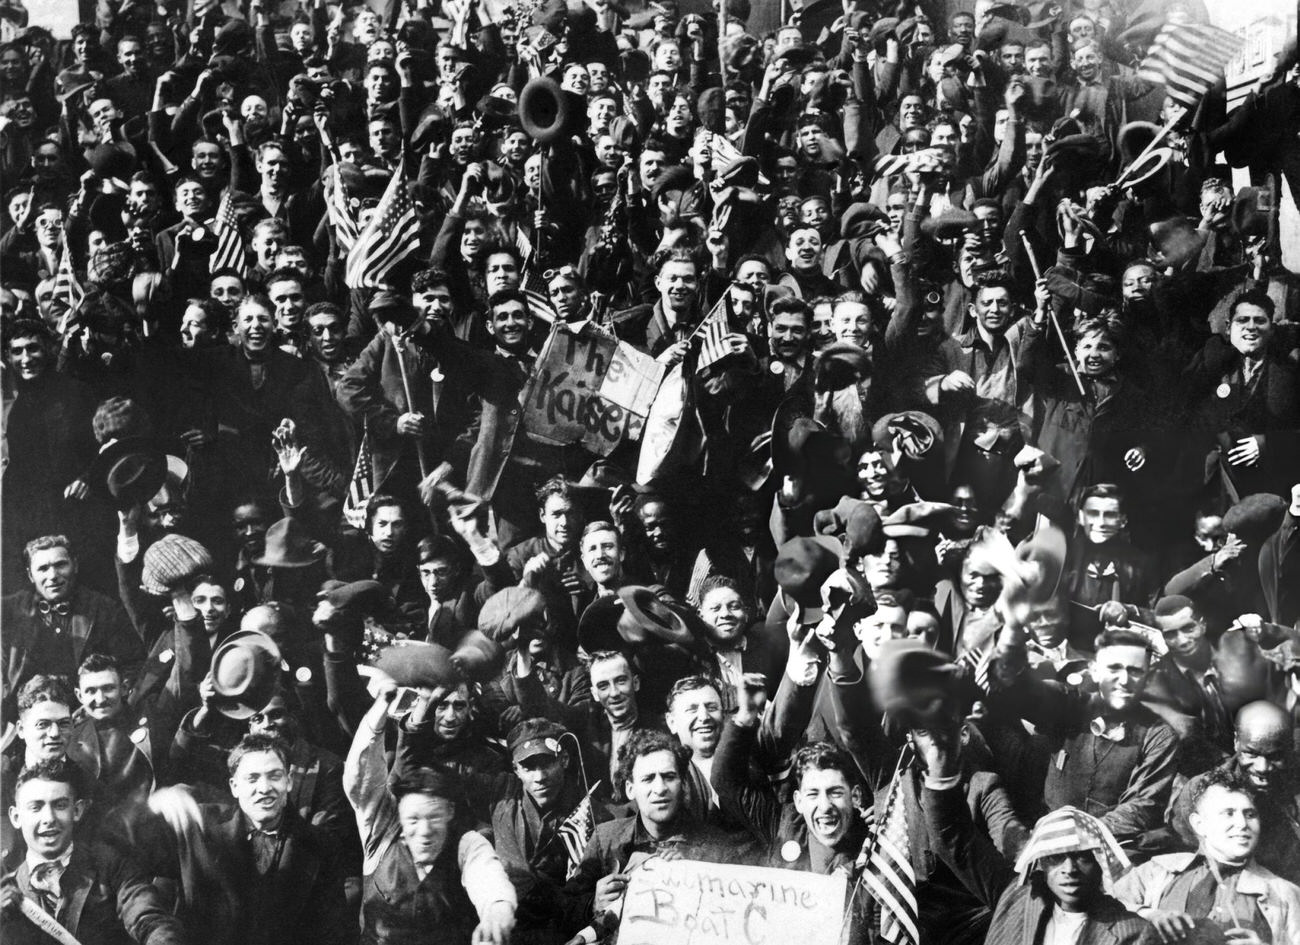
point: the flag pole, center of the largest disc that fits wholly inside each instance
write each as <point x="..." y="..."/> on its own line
<point x="1060" y="333"/>
<point x="398" y="348"/>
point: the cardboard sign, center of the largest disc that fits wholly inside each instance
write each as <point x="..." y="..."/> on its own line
<point x="632" y="380"/>
<point x="563" y="402"/>
<point x="686" y="902"/>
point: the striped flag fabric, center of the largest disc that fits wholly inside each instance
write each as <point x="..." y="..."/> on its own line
<point x="1069" y="830"/>
<point x="231" y="253"/>
<point x="714" y="331"/>
<point x="361" y="487"/>
<point x="977" y="658"/>
<point x="533" y="286"/>
<point x="1189" y="58"/>
<point x="576" y="832"/>
<point x="391" y="236"/>
<point x="888" y="873"/>
<point x="341" y="218"/>
<point x="66" y="287"/>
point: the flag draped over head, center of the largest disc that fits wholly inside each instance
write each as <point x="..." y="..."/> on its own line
<point x="888" y="873"/>
<point x="392" y="235"/>
<point x="1188" y="59"/>
<point x="1070" y="830"/>
<point x="231" y="253"/>
<point x="576" y="832"/>
<point x="361" y="487"/>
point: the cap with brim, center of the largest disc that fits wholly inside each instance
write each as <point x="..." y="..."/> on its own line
<point x="245" y="671"/>
<point x="510" y="608"/>
<point x="287" y="546"/>
<point x="1255" y="517"/>
<point x="881" y="30"/>
<point x="545" y="746"/>
<point x="419" y="665"/>
<point x="363" y="596"/>
<point x="478" y="658"/>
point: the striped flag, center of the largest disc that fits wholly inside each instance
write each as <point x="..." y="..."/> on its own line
<point x="361" y="487"/>
<point x="66" y="287"/>
<point x="1069" y="830"/>
<point x="977" y="658"/>
<point x="1189" y="58"/>
<point x="533" y="286"/>
<point x="714" y="331"/>
<point x="391" y="236"/>
<point x="231" y="253"/>
<point x="341" y="218"/>
<point x="888" y="873"/>
<point x="576" y="832"/>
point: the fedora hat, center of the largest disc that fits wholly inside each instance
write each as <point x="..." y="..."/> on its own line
<point x="419" y="665"/>
<point x="632" y="618"/>
<point x="802" y="567"/>
<point x="477" y="657"/>
<point x="128" y="471"/>
<point x="245" y="671"/>
<point x="915" y="685"/>
<point x="287" y="546"/>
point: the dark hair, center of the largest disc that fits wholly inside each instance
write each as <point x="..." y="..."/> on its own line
<point x="498" y="248"/>
<point x="556" y="485"/>
<point x="61" y="771"/>
<point x="604" y="656"/>
<point x="823" y="756"/>
<point x="752" y="257"/>
<point x="213" y="311"/>
<point x="323" y="308"/>
<point x="1224" y="778"/>
<point x="1171" y="604"/>
<point x="994" y="279"/>
<point x="99" y="663"/>
<point x="45" y="543"/>
<point x="283" y="274"/>
<point x="119" y="417"/>
<point x="27" y="328"/>
<point x="1102" y="490"/>
<point x="790" y="306"/>
<point x="690" y="684"/>
<point x="436" y="547"/>
<point x="719" y="581"/>
<point x="382" y="500"/>
<point x="42" y="688"/>
<point x="426" y="279"/>
<point x="502" y="296"/>
<point x="644" y="742"/>
<point x="1257" y="297"/>
<point x="253" y="743"/>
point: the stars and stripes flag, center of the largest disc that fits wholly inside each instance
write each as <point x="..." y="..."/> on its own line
<point x="362" y="485"/>
<point x="714" y="331"/>
<point x="533" y="286"/>
<point x="341" y="218"/>
<point x="1188" y="59"/>
<point x="231" y="253"/>
<point x="888" y="873"/>
<point x="392" y="235"/>
<point x="576" y="832"/>
<point x="66" y="287"/>
<point x="977" y="658"/>
<point x="1069" y="830"/>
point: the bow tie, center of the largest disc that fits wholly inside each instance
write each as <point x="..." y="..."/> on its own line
<point x="1098" y="570"/>
<point x="45" y="879"/>
<point x="62" y="608"/>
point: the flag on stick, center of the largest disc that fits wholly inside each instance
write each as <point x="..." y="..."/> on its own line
<point x="888" y="874"/>
<point x="66" y="287"/>
<point x="576" y="832"/>
<point x="231" y="253"/>
<point x="391" y="236"/>
<point x="1188" y="59"/>
<point x="361" y="487"/>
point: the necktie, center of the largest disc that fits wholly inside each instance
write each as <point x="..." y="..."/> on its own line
<point x="45" y="883"/>
<point x="266" y="848"/>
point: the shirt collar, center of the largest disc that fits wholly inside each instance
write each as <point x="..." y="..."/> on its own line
<point x="34" y="859"/>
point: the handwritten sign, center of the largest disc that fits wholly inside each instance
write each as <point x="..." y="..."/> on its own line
<point x="632" y="380"/>
<point x="564" y="402"/>
<point x="686" y="902"/>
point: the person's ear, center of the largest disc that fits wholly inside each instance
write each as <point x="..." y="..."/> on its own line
<point x="636" y="683"/>
<point x="856" y="795"/>
<point x="79" y="809"/>
<point x="13" y="817"/>
<point x="1195" y="821"/>
<point x="798" y="801"/>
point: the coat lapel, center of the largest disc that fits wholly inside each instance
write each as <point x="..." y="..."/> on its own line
<point x="76" y="885"/>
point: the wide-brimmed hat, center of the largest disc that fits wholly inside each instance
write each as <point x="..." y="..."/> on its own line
<point x="245" y="671"/>
<point x="128" y="471"/>
<point x="632" y="618"/>
<point x="287" y="545"/>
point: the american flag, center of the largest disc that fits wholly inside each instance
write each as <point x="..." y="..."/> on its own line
<point x="890" y="165"/>
<point x="576" y="831"/>
<point x="714" y="331"/>
<point x="66" y="287"/>
<point x="230" y="252"/>
<point x="361" y="487"/>
<point x="977" y="658"/>
<point x="888" y="873"/>
<point x="1067" y="830"/>
<point x="1188" y="59"/>
<point x="533" y="286"/>
<point x="341" y="218"/>
<point x="391" y="235"/>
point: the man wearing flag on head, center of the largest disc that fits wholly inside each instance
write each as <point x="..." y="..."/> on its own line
<point x="1066" y="873"/>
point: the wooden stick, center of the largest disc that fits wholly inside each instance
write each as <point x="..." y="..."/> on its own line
<point x="1060" y="333"/>
<point x="1160" y="136"/>
<point x="398" y="346"/>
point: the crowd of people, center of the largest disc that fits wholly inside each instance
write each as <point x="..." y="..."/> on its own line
<point x="955" y="553"/>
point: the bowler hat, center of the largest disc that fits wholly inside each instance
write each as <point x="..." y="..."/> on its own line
<point x="419" y="665"/>
<point x="287" y="546"/>
<point x="245" y="671"/>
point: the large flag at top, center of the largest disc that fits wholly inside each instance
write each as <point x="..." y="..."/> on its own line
<point x="1188" y="59"/>
<point x="392" y="235"/>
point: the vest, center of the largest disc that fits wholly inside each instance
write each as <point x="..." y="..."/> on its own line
<point x="397" y="908"/>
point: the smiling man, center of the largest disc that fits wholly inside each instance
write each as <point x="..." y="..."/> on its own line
<point x="695" y="717"/>
<point x="1110" y="754"/>
<point x="93" y="890"/>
